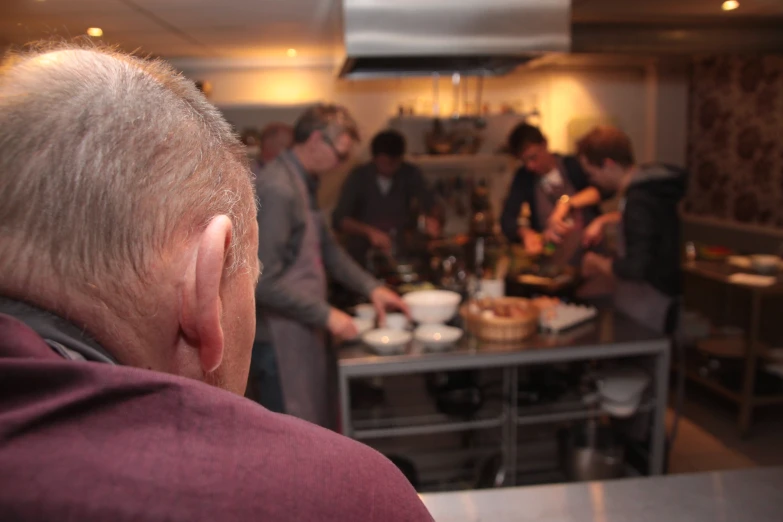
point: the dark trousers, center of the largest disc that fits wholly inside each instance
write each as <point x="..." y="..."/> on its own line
<point x="265" y="384"/>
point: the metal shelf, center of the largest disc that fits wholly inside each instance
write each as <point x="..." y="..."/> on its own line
<point x="539" y="415"/>
<point x="423" y="425"/>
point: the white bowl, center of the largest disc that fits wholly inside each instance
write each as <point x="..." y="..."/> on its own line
<point x="396" y="322"/>
<point x="384" y="341"/>
<point x="365" y="311"/>
<point x="432" y="306"/>
<point x="437" y="336"/>
<point x="765" y="264"/>
<point x="363" y="325"/>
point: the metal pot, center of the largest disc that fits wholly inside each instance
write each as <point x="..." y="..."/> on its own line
<point x="591" y="452"/>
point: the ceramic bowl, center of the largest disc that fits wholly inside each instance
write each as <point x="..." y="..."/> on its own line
<point x="437" y="336"/>
<point x="385" y="341"/>
<point x="397" y="321"/>
<point x="432" y="306"/>
<point x="365" y="311"/>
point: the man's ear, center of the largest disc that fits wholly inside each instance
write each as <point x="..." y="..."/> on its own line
<point x="202" y="309"/>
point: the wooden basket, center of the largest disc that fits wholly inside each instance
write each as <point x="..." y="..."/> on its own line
<point x="501" y="329"/>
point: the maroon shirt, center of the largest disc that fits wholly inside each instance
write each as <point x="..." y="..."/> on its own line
<point x="87" y="441"/>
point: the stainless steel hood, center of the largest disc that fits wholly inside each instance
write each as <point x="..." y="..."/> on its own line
<point x="472" y="37"/>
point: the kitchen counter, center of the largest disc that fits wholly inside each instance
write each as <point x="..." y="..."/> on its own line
<point x="746" y="495"/>
<point x="610" y="335"/>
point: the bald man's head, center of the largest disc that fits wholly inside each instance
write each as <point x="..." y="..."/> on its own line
<point x="106" y="161"/>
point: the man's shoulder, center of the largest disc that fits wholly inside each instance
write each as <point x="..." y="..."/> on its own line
<point x="274" y="180"/>
<point x="204" y="453"/>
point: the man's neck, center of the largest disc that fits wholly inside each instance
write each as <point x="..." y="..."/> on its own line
<point x="627" y="177"/>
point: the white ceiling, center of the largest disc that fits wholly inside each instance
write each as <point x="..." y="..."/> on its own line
<point x="267" y="28"/>
<point x="182" y="28"/>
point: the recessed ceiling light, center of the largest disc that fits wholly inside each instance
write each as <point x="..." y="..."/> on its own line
<point x="95" y="32"/>
<point x="730" y="5"/>
<point x="291" y="53"/>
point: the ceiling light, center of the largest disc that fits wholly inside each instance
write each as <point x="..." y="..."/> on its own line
<point x="291" y="53"/>
<point x="95" y="32"/>
<point x="730" y="5"/>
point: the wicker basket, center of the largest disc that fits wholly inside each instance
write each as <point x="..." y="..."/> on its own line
<point x="503" y="328"/>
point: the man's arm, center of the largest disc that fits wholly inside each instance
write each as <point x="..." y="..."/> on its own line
<point x="639" y="229"/>
<point x="343" y="269"/>
<point x="276" y="223"/>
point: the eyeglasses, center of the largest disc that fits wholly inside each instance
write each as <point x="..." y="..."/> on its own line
<point x="341" y="156"/>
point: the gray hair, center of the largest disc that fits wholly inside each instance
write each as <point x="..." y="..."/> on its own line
<point x="106" y="161"/>
<point x="332" y="120"/>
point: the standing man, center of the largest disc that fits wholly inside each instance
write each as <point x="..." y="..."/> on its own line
<point x="647" y="266"/>
<point x="298" y="251"/>
<point x="380" y="197"/>
<point x="273" y="139"/>
<point x="555" y="188"/>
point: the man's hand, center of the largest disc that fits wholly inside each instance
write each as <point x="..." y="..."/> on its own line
<point x="558" y="224"/>
<point x="593" y="233"/>
<point x="594" y="264"/>
<point x="533" y="242"/>
<point x="341" y="326"/>
<point x="379" y="239"/>
<point x="382" y="299"/>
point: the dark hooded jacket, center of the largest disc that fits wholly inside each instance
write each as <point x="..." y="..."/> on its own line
<point x="651" y="226"/>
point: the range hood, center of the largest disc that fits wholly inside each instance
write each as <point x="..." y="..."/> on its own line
<point x="386" y="38"/>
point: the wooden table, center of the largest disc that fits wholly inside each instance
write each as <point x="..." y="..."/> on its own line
<point x="747" y="400"/>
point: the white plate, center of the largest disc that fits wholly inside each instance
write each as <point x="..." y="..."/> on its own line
<point x="437" y="336"/>
<point x="385" y="341"/>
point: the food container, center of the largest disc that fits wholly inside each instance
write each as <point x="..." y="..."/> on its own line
<point x="520" y="323"/>
<point x="437" y="336"/>
<point x="384" y="341"/>
<point x="432" y="306"/>
<point x="397" y="322"/>
<point x="365" y="311"/>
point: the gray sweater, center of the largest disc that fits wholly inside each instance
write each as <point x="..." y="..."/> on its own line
<point x="281" y="224"/>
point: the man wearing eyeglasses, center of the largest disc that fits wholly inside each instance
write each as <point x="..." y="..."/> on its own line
<point x="298" y="251"/>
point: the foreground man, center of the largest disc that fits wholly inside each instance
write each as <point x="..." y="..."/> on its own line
<point x="127" y="272"/>
<point x="298" y="250"/>
<point x="647" y="267"/>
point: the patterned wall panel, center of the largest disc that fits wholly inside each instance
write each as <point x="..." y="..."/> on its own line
<point x="735" y="139"/>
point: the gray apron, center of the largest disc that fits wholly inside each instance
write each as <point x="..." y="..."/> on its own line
<point x="301" y="349"/>
<point x="640" y="300"/>
<point x="569" y="251"/>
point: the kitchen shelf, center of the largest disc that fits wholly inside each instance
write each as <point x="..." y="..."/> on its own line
<point x="735" y="397"/>
<point x="420" y="420"/>
<point x="565" y="412"/>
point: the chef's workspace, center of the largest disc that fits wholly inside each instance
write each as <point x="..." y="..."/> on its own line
<point x="530" y="252"/>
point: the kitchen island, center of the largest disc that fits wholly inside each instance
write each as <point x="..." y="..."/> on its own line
<point x="610" y="335"/>
<point x="752" y="494"/>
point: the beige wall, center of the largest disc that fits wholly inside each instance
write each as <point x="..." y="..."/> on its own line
<point x="651" y="107"/>
<point x="562" y="96"/>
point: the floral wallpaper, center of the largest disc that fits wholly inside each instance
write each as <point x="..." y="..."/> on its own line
<point x="735" y="139"/>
